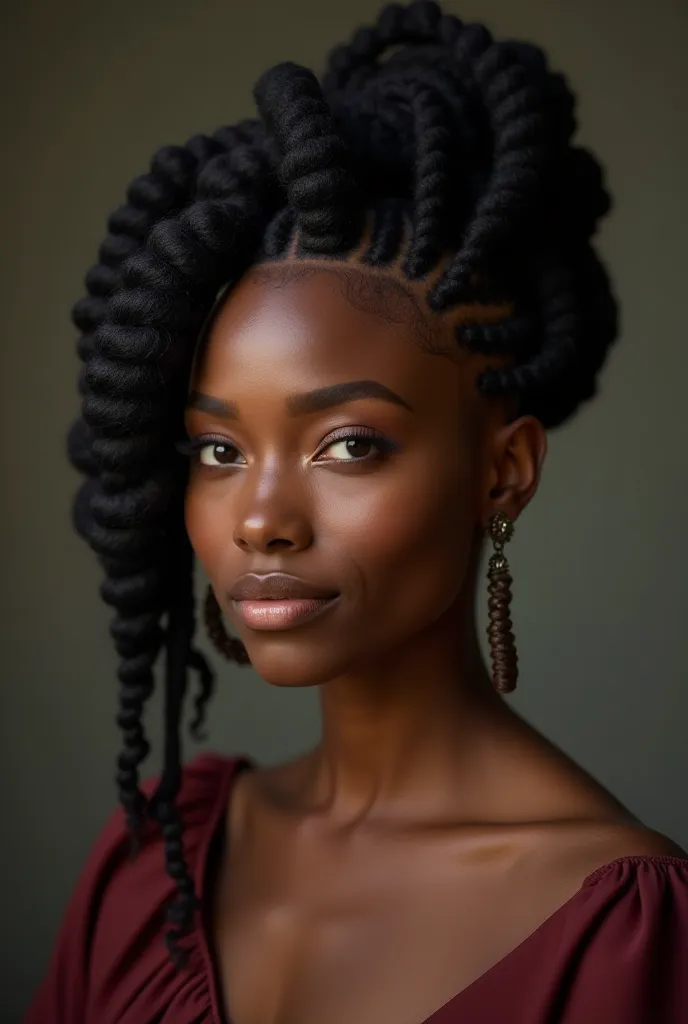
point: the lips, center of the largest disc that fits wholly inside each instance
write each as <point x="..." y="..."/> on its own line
<point x="278" y="601"/>
<point x="277" y="586"/>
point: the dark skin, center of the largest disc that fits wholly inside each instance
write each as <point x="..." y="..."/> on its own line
<point x="432" y="829"/>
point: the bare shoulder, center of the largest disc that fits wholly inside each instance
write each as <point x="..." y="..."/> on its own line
<point x="582" y="848"/>
<point x="587" y="827"/>
<point x="622" y="840"/>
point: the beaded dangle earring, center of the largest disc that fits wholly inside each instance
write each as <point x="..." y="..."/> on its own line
<point x="502" y="643"/>
<point x="228" y="646"/>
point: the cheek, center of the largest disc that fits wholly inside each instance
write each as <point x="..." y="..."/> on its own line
<point x="408" y="531"/>
<point x="401" y="537"/>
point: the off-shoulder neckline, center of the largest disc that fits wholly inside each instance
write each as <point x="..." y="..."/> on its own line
<point x="235" y="765"/>
<point x="641" y="858"/>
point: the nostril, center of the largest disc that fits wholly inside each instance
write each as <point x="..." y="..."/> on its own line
<point x="279" y="543"/>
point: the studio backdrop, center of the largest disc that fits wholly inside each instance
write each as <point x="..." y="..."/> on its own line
<point x="599" y="559"/>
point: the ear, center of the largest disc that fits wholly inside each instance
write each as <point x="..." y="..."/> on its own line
<point x="517" y="453"/>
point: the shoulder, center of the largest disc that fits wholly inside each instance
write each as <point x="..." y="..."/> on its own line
<point x="601" y="848"/>
<point x="639" y="841"/>
<point x="570" y="859"/>
<point x="204" y="781"/>
<point x="141" y="881"/>
<point x="580" y="853"/>
<point x="116" y="913"/>
<point x="641" y="865"/>
<point x="625" y="932"/>
<point x="614" y="950"/>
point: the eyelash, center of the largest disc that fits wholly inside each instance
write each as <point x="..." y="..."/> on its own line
<point x="192" y="448"/>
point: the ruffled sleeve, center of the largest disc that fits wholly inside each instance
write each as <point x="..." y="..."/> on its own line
<point x="628" y="963"/>
<point x="110" y="954"/>
<point x="615" y="953"/>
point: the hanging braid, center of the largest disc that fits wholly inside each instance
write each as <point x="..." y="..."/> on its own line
<point x="135" y="628"/>
<point x="453" y="147"/>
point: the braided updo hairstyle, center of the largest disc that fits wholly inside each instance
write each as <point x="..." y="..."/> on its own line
<point x="452" y="146"/>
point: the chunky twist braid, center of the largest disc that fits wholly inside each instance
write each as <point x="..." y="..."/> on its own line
<point x="431" y="182"/>
<point x="418" y="23"/>
<point x="499" y="631"/>
<point x="313" y="170"/>
<point x="517" y="125"/>
<point x="99" y="518"/>
<point x="456" y="151"/>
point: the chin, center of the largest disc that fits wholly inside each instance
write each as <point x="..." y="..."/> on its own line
<point x="286" y="664"/>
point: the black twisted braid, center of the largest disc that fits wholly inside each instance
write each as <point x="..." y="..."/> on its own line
<point x="452" y="153"/>
<point x="167" y="187"/>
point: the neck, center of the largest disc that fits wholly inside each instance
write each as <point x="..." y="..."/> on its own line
<point x="402" y="735"/>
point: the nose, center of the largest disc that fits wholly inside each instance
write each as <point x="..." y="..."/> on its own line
<point x="274" y="517"/>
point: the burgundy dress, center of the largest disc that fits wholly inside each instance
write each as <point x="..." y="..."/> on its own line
<point x="615" y="953"/>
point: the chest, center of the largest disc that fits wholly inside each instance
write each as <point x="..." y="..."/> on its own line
<point x="376" y="939"/>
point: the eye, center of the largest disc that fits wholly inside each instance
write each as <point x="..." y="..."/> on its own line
<point x="352" y="444"/>
<point x="357" y="445"/>
<point x="219" y="453"/>
<point x="215" y="453"/>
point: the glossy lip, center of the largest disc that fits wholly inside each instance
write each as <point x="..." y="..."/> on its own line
<point x="277" y="586"/>
<point x="272" y="615"/>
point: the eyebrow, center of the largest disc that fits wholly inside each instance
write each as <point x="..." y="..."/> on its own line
<point x="308" y="402"/>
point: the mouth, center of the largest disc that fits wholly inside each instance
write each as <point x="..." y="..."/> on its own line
<point x="279" y="614"/>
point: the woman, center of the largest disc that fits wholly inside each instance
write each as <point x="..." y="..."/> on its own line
<point x="321" y="350"/>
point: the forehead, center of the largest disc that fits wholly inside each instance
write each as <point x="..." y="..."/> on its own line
<point x="293" y="326"/>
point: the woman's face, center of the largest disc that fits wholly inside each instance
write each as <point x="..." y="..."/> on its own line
<point x="337" y="448"/>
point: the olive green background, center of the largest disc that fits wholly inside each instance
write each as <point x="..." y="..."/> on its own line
<point x="89" y="91"/>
